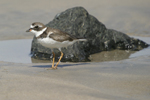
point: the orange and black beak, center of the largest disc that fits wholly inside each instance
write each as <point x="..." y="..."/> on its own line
<point x="29" y="30"/>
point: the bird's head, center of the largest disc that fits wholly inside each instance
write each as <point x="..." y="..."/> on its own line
<point x="37" y="28"/>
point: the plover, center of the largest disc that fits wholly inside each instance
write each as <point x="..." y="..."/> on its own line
<point x="52" y="38"/>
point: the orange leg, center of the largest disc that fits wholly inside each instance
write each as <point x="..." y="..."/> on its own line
<point x="58" y="61"/>
<point x="53" y="60"/>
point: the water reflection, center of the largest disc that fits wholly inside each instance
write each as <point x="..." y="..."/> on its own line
<point x="33" y="60"/>
<point x="114" y="55"/>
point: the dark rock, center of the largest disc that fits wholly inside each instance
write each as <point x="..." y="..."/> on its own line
<point x="79" y="22"/>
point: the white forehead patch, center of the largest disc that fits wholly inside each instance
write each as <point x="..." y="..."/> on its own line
<point x="31" y="26"/>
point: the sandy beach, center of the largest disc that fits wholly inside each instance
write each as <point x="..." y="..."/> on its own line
<point x="125" y="78"/>
<point x="119" y="80"/>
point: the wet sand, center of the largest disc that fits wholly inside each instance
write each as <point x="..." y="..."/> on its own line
<point x="120" y="80"/>
<point x="127" y="79"/>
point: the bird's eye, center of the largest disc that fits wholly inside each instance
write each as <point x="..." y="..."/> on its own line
<point x="36" y="27"/>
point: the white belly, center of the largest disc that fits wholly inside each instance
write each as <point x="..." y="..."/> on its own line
<point x="50" y="43"/>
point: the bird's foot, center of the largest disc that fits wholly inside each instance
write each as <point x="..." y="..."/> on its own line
<point x="52" y="68"/>
<point x="55" y="67"/>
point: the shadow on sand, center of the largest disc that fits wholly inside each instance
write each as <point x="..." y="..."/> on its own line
<point x="59" y="66"/>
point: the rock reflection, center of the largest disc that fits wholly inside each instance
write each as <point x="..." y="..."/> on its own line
<point x="114" y="55"/>
<point x="33" y="60"/>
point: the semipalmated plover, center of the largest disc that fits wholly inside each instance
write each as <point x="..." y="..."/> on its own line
<point x="52" y="38"/>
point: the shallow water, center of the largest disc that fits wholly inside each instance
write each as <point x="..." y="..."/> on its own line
<point x="18" y="51"/>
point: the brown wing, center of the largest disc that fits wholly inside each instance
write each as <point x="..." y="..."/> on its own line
<point x="61" y="36"/>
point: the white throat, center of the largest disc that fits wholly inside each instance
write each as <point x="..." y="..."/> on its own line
<point x="38" y="33"/>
